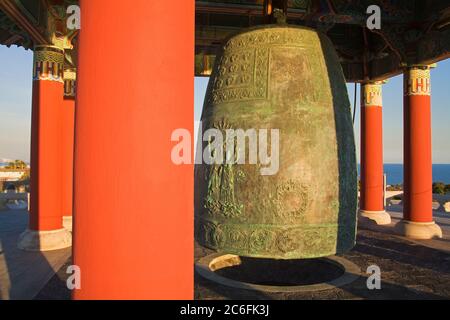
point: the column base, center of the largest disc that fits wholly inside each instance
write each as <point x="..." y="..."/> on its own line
<point x="446" y="207"/>
<point x="380" y="217"/>
<point x="67" y="223"/>
<point x="31" y="240"/>
<point x="418" y="230"/>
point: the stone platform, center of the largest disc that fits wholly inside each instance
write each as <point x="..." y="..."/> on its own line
<point x="409" y="270"/>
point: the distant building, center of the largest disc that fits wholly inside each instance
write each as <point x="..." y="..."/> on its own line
<point x="11" y="174"/>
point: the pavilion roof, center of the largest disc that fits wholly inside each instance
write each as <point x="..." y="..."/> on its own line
<point x="412" y="31"/>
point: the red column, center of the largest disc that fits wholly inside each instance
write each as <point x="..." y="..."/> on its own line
<point x="417" y="211"/>
<point x="372" y="181"/>
<point x="133" y="208"/>
<point x="45" y="227"/>
<point x="67" y="136"/>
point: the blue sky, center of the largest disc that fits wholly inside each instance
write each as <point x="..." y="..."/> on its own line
<point x="15" y="108"/>
<point x="15" y="102"/>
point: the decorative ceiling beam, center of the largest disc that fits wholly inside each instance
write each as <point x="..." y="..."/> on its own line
<point x="12" y="40"/>
<point x="22" y="21"/>
<point x="251" y="10"/>
<point x="434" y="47"/>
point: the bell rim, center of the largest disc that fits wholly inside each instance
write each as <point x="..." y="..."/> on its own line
<point x="274" y="245"/>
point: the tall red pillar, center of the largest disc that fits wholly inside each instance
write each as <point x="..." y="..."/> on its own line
<point x="67" y="136"/>
<point x="133" y="207"/>
<point x="372" y="177"/>
<point x="45" y="230"/>
<point x="417" y="208"/>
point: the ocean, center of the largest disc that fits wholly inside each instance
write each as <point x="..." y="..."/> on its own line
<point x="394" y="173"/>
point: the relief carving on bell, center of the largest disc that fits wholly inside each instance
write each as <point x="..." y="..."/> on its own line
<point x="289" y="79"/>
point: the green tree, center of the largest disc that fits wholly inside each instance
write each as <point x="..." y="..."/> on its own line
<point x="16" y="165"/>
<point x="447" y="188"/>
<point x="439" y="188"/>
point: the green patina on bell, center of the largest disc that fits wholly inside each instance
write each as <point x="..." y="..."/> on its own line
<point x="287" y="78"/>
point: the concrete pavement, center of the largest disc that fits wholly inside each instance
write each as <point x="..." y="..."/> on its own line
<point x="24" y="274"/>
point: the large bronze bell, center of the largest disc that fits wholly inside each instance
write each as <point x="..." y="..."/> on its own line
<point x="287" y="78"/>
